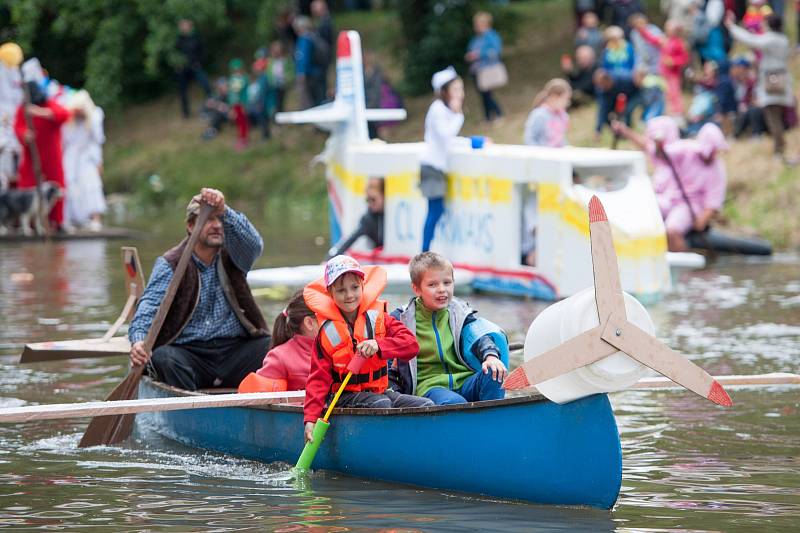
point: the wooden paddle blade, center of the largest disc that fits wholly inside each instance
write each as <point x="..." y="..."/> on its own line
<point x="649" y="351"/>
<point x="74" y="349"/>
<point x="579" y="351"/>
<point x="607" y="287"/>
<point x="113" y="429"/>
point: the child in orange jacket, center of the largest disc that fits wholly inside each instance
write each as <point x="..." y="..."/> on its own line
<point x="353" y="322"/>
<point x="288" y="360"/>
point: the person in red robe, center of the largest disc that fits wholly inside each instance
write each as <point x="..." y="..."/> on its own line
<point x="47" y="117"/>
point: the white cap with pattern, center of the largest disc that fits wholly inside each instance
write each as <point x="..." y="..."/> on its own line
<point x="443" y="77"/>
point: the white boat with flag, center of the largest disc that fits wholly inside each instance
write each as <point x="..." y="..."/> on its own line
<point x="489" y="188"/>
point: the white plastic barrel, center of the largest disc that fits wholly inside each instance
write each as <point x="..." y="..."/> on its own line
<point x="569" y="318"/>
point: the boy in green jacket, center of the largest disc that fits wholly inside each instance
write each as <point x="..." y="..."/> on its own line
<point x="459" y="359"/>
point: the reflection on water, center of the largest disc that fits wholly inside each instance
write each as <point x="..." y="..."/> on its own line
<point x="687" y="464"/>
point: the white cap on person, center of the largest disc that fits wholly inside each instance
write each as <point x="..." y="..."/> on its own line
<point x="443" y="77"/>
<point x="339" y="265"/>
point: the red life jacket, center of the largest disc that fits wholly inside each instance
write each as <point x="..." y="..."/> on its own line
<point x="336" y="338"/>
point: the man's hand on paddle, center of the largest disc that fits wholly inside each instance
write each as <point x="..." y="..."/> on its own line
<point x="308" y="433"/>
<point x="494" y="365"/>
<point x="139" y="355"/>
<point x="214" y="198"/>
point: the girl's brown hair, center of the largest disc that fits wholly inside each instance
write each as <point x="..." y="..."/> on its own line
<point x="554" y="87"/>
<point x="287" y="323"/>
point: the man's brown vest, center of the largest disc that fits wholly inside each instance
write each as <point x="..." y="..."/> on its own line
<point x="234" y="285"/>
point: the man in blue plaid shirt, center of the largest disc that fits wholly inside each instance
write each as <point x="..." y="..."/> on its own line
<point x="214" y="333"/>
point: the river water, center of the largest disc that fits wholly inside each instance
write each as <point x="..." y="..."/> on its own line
<point x="688" y="465"/>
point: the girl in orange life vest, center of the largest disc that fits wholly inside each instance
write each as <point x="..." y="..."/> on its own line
<point x="288" y="360"/>
<point x="354" y="323"/>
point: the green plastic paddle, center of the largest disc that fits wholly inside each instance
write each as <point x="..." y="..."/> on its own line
<point x="321" y="426"/>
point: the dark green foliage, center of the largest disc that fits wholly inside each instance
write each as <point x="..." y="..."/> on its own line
<point x="124" y="49"/>
<point x="436" y="34"/>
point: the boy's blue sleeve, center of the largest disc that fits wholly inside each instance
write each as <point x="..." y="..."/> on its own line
<point x="485" y="345"/>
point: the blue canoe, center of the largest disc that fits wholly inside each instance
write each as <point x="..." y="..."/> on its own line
<point x="549" y="453"/>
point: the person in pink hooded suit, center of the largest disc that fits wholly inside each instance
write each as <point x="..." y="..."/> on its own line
<point x="697" y="191"/>
<point x="659" y="132"/>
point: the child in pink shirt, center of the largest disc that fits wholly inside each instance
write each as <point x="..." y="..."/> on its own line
<point x="674" y="58"/>
<point x="547" y="124"/>
<point x="288" y="361"/>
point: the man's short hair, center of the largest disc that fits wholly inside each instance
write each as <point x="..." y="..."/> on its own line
<point x="425" y="261"/>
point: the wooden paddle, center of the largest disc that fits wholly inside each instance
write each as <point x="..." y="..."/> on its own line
<point x="57" y="411"/>
<point x="112" y="429"/>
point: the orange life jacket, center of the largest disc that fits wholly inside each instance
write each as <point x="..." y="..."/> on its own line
<point x="255" y="383"/>
<point x="338" y="340"/>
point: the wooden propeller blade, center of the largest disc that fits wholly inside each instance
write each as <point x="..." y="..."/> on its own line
<point x="578" y="351"/>
<point x="607" y="287"/>
<point x="113" y="429"/>
<point x="653" y="353"/>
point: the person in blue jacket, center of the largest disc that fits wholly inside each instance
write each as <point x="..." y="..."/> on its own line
<point x="307" y="72"/>
<point x="484" y="50"/>
<point x="462" y="358"/>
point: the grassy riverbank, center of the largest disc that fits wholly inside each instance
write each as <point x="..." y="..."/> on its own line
<point x="153" y="139"/>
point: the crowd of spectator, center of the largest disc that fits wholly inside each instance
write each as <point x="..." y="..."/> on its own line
<point x="301" y="56"/>
<point x="651" y="69"/>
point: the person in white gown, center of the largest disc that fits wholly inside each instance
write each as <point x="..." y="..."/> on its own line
<point x="83" y="139"/>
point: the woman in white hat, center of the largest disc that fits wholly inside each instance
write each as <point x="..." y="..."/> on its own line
<point x="83" y="139"/>
<point x="442" y="124"/>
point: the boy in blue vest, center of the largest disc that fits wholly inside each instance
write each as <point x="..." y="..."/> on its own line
<point x="459" y="356"/>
